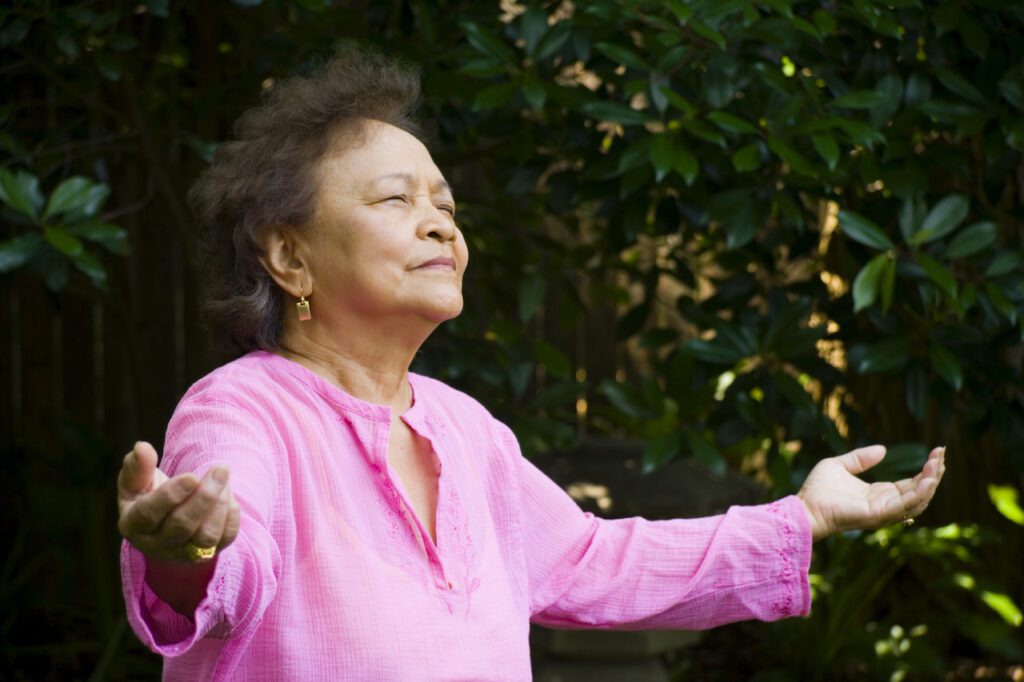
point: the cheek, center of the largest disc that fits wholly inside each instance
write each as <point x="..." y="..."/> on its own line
<point x="462" y="252"/>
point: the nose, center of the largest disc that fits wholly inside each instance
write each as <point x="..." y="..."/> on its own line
<point x="437" y="224"/>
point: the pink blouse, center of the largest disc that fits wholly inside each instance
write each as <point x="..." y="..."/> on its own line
<point x="332" y="577"/>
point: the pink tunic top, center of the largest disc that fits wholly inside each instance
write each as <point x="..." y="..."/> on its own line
<point x="332" y="577"/>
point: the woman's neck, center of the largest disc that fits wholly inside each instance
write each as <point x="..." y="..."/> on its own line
<point x="371" y="369"/>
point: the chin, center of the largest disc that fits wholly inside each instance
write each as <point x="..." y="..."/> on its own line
<point x="446" y="310"/>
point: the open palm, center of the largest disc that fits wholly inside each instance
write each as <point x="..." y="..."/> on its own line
<point x="837" y="500"/>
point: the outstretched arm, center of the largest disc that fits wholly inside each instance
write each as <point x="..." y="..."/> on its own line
<point x="836" y="500"/>
<point x="162" y="517"/>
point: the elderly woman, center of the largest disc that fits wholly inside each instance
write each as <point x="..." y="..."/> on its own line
<point x="321" y="513"/>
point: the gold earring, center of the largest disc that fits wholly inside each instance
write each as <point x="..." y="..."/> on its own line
<point x="303" y="307"/>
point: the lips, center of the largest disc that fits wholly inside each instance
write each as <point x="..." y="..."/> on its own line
<point x="440" y="263"/>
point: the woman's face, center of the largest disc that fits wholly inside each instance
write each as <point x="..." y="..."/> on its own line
<point x="384" y="244"/>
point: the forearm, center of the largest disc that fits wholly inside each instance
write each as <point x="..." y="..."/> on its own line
<point x="181" y="585"/>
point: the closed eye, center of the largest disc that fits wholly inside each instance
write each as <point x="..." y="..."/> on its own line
<point x="398" y="197"/>
<point x="450" y="210"/>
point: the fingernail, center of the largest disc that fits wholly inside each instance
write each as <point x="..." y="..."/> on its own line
<point x="188" y="484"/>
<point x="220" y="474"/>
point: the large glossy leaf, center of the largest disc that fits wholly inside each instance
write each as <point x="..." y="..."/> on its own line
<point x="730" y="123"/>
<point x="63" y="241"/>
<point x="77" y="195"/>
<point x="794" y="159"/>
<point x="705" y="452"/>
<point x="615" y="112"/>
<point x="552" y="359"/>
<point x="862" y="99"/>
<point x="21" y="192"/>
<point x="945" y="216"/>
<point x="629" y="400"/>
<point x="869" y="282"/>
<point x="552" y="41"/>
<point x="747" y="158"/>
<point x="485" y="41"/>
<point x="90" y="266"/>
<point x="863" y="230"/>
<point x="622" y="55"/>
<point x="659" y="451"/>
<point x="1004" y="263"/>
<point x="972" y="240"/>
<point x="942" y="277"/>
<point x="946" y="364"/>
<point x="827" y="149"/>
<point x="794" y="392"/>
<point x="885" y="356"/>
<point x="16" y="252"/>
<point x="717" y="351"/>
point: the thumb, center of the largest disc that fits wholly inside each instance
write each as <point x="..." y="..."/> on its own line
<point x="137" y="471"/>
<point x="862" y="459"/>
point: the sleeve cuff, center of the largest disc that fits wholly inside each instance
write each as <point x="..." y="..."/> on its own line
<point x="794" y="555"/>
<point x="162" y="629"/>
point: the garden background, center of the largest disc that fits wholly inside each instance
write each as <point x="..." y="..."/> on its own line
<point x="753" y="234"/>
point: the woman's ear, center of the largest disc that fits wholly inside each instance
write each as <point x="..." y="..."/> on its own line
<point x="286" y="258"/>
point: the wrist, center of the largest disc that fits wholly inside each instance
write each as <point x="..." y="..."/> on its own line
<point x="819" y="529"/>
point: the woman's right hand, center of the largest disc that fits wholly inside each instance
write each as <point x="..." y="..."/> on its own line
<point x="160" y="516"/>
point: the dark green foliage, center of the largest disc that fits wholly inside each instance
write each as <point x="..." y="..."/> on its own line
<point x="752" y="233"/>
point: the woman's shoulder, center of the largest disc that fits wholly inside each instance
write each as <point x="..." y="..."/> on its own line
<point x="238" y="381"/>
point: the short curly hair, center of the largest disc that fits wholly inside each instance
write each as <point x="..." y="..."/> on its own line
<point x="268" y="176"/>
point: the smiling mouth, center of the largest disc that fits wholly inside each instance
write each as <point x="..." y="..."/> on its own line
<point x="438" y="264"/>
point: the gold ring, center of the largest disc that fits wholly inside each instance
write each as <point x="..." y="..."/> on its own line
<point x="195" y="552"/>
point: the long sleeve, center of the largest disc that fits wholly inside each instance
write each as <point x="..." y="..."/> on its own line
<point x="749" y="563"/>
<point x="203" y="434"/>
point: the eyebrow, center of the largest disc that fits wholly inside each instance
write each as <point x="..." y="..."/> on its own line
<point x="439" y="185"/>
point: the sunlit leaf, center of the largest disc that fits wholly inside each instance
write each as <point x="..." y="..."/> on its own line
<point x="1004" y="606"/>
<point x="1005" y="498"/>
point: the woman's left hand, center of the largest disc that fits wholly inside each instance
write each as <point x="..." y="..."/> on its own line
<point x="836" y="500"/>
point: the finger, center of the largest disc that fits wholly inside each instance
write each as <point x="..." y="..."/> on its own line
<point x="924" y="495"/>
<point x="185" y="519"/>
<point x="147" y="513"/>
<point x="862" y="459"/>
<point x="136" y="475"/>
<point x="212" y="527"/>
<point x="933" y="467"/>
<point x="232" y="523"/>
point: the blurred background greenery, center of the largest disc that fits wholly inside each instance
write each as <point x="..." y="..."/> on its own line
<point x="750" y="233"/>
